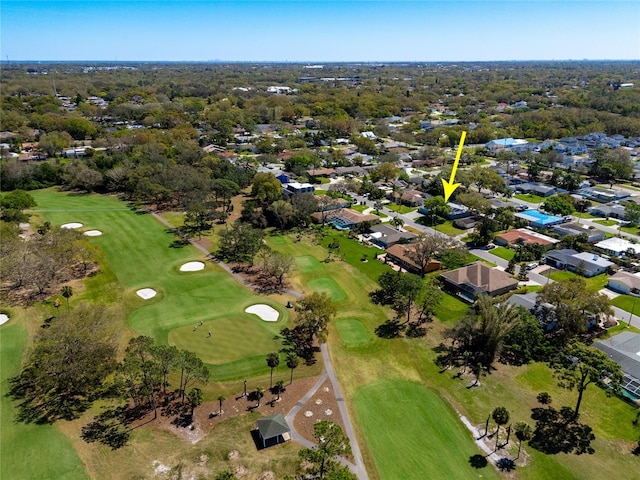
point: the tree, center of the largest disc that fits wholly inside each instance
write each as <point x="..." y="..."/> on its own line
<point x="67" y="293"/>
<point x="259" y="393"/>
<point x="283" y="212"/>
<point x="332" y="442"/>
<point x="240" y="242"/>
<point x="12" y="205"/>
<point x="578" y="366"/>
<point x="475" y="201"/>
<point x="386" y="171"/>
<point x="273" y="360"/>
<point x="221" y="398"/>
<point x="426" y="246"/>
<point x="437" y="206"/>
<point x="266" y="188"/>
<point x="278" y="388"/>
<point x="315" y="311"/>
<point x="276" y="265"/>
<point x="192" y="370"/>
<point x="304" y="205"/>
<point x="558" y="205"/>
<point x="523" y="433"/>
<point x="195" y="399"/>
<point x="292" y="363"/>
<point x="67" y="367"/>
<point x="500" y="415"/>
<point x="166" y="357"/>
<point x="197" y="218"/>
<point x="572" y="302"/>
<point x="397" y="221"/>
<point x="632" y="212"/>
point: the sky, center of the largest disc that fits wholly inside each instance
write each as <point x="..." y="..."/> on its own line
<point x="319" y="31"/>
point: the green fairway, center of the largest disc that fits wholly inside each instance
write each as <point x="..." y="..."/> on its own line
<point x="328" y="286"/>
<point x="138" y="250"/>
<point x="233" y="337"/>
<point x="306" y="263"/>
<point x="409" y="417"/>
<point x="353" y="332"/>
<point x="30" y="452"/>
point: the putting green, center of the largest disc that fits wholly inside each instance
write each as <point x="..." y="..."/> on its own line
<point x="353" y="332"/>
<point x="328" y="286"/>
<point x="428" y="439"/>
<point x="308" y="263"/>
<point x="277" y="240"/>
<point x="232" y="338"/>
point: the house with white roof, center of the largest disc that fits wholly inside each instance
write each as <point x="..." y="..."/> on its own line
<point x="618" y="246"/>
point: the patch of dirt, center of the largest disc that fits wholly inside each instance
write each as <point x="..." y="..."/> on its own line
<point x="268" y="475"/>
<point x="323" y="406"/>
<point x="240" y="471"/>
<point x="233" y="455"/>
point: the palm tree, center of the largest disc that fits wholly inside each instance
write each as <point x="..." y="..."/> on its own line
<point x="279" y="387"/>
<point x="67" y="292"/>
<point x="195" y="398"/>
<point x="273" y="360"/>
<point x="501" y="417"/>
<point x="292" y="363"/>
<point x="259" y="395"/>
<point x="523" y="433"/>
<point x="221" y="398"/>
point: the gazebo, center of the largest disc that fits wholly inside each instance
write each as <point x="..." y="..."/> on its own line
<point x="273" y="430"/>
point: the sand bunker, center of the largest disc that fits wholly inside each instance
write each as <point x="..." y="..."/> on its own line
<point x="4" y="318"/>
<point x="93" y="233"/>
<point x="192" y="267"/>
<point x="146" y="293"/>
<point x="265" y="312"/>
<point x="71" y="225"/>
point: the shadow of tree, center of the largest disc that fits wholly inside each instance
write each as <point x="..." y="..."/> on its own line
<point x="392" y="328"/>
<point x="478" y="461"/>
<point x="558" y="432"/>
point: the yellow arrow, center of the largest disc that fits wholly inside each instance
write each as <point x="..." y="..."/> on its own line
<point x="450" y="187"/>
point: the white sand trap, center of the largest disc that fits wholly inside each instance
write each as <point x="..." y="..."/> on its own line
<point x="192" y="267"/>
<point x="4" y="318"/>
<point x="146" y="293"/>
<point x="93" y="233"/>
<point x="265" y="312"/>
<point x="71" y="225"/>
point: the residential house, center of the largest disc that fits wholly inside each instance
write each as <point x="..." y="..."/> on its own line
<point x="478" y="278"/>
<point x="320" y="172"/>
<point x="517" y="235"/>
<point x="618" y="246"/>
<point x="604" y="195"/>
<point x="608" y="211"/>
<point x="504" y="144"/>
<point x="413" y="198"/>
<point x="585" y="263"/>
<point x="468" y="222"/>
<point x="575" y="229"/>
<point x="525" y="300"/>
<point x="344" y="219"/>
<point x="283" y="177"/>
<point x="386" y="236"/>
<point x="538" y="219"/>
<point x="623" y="349"/>
<point x="399" y="254"/>
<point x="325" y="203"/>
<point x="293" y="188"/>
<point x="625" y="282"/>
<point x="536" y="188"/>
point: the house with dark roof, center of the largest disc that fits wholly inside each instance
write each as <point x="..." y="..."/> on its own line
<point x="574" y="229"/>
<point x="623" y="349"/>
<point x="585" y="263"/>
<point x="273" y="430"/>
<point x="478" y="278"/>
<point x="386" y="236"/>
<point x="613" y="210"/>
<point x="536" y="189"/>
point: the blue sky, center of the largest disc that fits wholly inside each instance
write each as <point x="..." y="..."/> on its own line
<point x="319" y="30"/>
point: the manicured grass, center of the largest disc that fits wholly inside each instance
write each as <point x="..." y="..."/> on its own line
<point x="528" y="197"/>
<point x="137" y="249"/>
<point x="233" y="337"/>
<point x="451" y="309"/>
<point x="359" y="208"/>
<point x="594" y="284"/>
<point x="400" y="416"/>
<point x="305" y="263"/>
<point x="29" y="451"/>
<point x="328" y="286"/>
<point x="606" y="223"/>
<point x="473" y="258"/>
<point x="353" y="332"/>
<point x="449" y="229"/>
<point x="503" y="252"/>
<point x="627" y="303"/>
<point x="401" y="209"/>
<point x="635" y="230"/>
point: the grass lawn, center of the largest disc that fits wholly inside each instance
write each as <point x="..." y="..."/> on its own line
<point x="503" y="252"/>
<point x="359" y="208"/>
<point x="304" y="263"/>
<point x="329" y="287"/>
<point x="606" y="223"/>
<point x="29" y="451"/>
<point x="353" y="332"/>
<point x="627" y="303"/>
<point x="401" y="209"/>
<point x="529" y="197"/>
<point x="404" y="415"/>
<point x="137" y="249"/>
<point x="594" y="284"/>
<point x="451" y="309"/>
<point x="449" y="229"/>
<point x="635" y="230"/>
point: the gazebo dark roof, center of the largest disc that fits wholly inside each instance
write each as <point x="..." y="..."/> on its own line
<point x="272" y="427"/>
